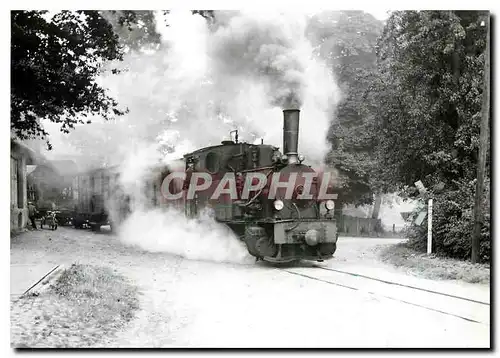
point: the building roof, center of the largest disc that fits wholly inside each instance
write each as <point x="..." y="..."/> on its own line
<point x="32" y="156"/>
<point x="64" y="168"/>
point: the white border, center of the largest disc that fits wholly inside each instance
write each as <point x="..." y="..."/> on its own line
<point x="308" y="5"/>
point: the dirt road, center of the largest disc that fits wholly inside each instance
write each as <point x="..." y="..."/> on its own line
<point x="206" y="304"/>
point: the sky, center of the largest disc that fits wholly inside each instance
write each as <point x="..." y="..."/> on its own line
<point x="378" y="14"/>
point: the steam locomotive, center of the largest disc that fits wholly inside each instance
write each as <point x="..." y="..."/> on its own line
<point x="282" y="220"/>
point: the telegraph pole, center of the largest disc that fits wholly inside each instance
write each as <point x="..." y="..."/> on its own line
<point x="483" y="146"/>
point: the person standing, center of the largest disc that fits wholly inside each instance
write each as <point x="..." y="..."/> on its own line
<point x="31" y="214"/>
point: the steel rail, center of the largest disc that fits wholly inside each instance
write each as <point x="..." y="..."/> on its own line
<point x="384" y="296"/>
<point x="402" y="285"/>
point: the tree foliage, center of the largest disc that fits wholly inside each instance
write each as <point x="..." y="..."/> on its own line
<point x="428" y="97"/>
<point x="207" y="14"/>
<point x="452" y="223"/>
<point x="136" y="29"/>
<point x="54" y="64"/>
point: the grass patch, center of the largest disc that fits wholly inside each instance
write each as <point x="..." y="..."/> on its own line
<point x="434" y="267"/>
<point x="86" y="305"/>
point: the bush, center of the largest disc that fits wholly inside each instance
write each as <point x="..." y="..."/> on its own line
<point x="453" y="222"/>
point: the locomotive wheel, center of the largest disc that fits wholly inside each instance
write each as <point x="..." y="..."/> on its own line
<point x="251" y="247"/>
<point x="328" y="249"/>
<point x="77" y="224"/>
<point x="265" y="247"/>
<point x="252" y="235"/>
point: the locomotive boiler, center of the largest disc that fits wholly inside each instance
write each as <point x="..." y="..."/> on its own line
<point x="277" y="204"/>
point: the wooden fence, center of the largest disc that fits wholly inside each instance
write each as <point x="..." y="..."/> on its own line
<point x="351" y="225"/>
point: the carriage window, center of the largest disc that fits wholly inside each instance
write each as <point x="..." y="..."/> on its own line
<point x="105" y="185"/>
<point x="154" y="197"/>
<point x="98" y="183"/>
<point x="212" y="162"/>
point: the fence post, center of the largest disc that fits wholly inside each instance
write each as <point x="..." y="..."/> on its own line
<point x="429" y="227"/>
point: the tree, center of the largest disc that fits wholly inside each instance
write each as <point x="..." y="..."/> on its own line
<point x="136" y="29"/>
<point x="207" y="14"/>
<point x="431" y="66"/>
<point x="483" y="143"/>
<point x="54" y="65"/>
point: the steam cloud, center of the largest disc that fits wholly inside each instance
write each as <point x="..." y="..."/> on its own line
<point x="169" y="231"/>
<point x="204" y="81"/>
<point x="265" y="48"/>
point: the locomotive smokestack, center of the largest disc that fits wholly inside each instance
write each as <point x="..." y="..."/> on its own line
<point x="291" y="134"/>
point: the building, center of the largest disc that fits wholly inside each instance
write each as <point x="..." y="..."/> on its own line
<point x="52" y="182"/>
<point x="20" y="157"/>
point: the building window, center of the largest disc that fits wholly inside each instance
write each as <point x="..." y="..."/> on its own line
<point x="32" y="196"/>
<point x="76" y="188"/>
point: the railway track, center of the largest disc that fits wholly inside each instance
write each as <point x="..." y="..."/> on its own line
<point x="464" y="308"/>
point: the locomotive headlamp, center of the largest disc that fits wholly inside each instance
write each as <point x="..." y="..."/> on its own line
<point x="278" y="205"/>
<point x="301" y="158"/>
<point x="330" y="204"/>
<point x="284" y="158"/>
